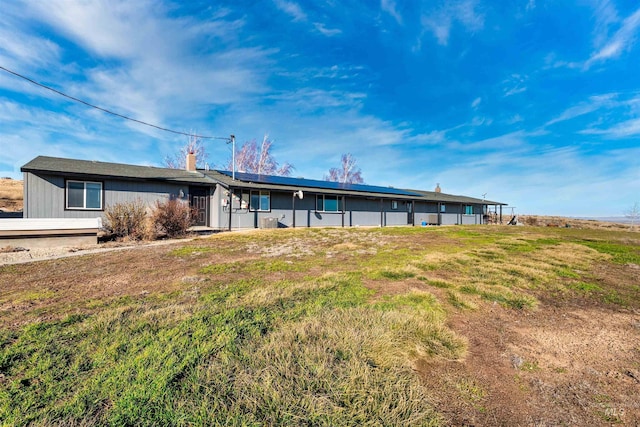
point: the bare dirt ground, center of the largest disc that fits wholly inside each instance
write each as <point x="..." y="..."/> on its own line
<point x="10" y="195"/>
<point x="572" y="362"/>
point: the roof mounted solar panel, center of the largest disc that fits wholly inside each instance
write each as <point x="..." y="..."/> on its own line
<point x="313" y="183"/>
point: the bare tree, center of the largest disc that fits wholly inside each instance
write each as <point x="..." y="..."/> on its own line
<point x="179" y="159"/>
<point x="254" y="158"/>
<point x="633" y="213"/>
<point x="348" y="172"/>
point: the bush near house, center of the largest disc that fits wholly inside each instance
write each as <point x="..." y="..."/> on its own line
<point x="127" y="220"/>
<point x="135" y="221"/>
<point x="171" y="218"/>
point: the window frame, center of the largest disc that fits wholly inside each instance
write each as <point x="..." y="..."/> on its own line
<point x="260" y="194"/>
<point x="443" y="208"/>
<point x="339" y="203"/>
<point x="394" y="205"/>
<point x="468" y="210"/>
<point x="84" y="195"/>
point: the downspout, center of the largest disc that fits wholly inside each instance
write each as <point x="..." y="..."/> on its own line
<point x="344" y="207"/>
<point x="381" y="212"/>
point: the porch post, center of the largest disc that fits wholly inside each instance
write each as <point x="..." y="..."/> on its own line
<point x="230" y="205"/>
<point x="293" y="206"/>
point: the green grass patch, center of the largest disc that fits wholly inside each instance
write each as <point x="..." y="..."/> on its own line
<point x="392" y="274"/>
<point x="621" y="253"/>
<point x="436" y="283"/>
<point x="585" y="287"/>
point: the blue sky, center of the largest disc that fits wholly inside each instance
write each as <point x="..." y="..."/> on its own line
<point x="535" y="103"/>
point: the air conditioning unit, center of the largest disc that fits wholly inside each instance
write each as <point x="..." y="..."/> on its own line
<point x="268" y="222"/>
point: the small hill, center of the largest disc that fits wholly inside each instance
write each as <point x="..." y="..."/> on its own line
<point x="11" y="198"/>
<point x="560" y="221"/>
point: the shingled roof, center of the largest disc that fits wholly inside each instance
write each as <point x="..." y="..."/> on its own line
<point x="92" y="168"/>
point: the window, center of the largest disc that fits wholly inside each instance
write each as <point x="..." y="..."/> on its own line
<point x="84" y="195"/>
<point x="240" y="199"/>
<point x="468" y="210"/>
<point x="260" y="201"/>
<point x="394" y="205"/>
<point x="328" y="203"/>
<point x="442" y="208"/>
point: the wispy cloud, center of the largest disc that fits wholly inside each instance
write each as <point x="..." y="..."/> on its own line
<point x="622" y="40"/>
<point x="476" y="102"/>
<point x="390" y="7"/>
<point x="625" y="129"/>
<point x="329" y="32"/>
<point x="440" y="21"/>
<point x="530" y="5"/>
<point x="292" y="9"/>
<point x="152" y="52"/>
<point x="593" y="104"/>
<point x="515" y="84"/>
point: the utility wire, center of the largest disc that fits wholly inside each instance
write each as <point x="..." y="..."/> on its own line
<point x="107" y="111"/>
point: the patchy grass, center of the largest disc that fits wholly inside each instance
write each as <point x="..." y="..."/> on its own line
<point x="287" y="327"/>
<point x="621" y="253"/>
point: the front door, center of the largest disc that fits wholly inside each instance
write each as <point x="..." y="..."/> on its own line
<point x="199" y="203"/>
<point x="410" y="213"/>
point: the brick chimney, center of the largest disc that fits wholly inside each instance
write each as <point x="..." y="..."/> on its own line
<point x="438" y="190"/>
<point x="191" y="161"/>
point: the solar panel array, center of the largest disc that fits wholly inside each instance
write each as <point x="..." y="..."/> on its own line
<point x="313" y="183"/>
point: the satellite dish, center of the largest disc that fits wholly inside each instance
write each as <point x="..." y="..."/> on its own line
<point x="300" y="194"/>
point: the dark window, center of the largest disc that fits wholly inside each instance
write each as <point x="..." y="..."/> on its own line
<point x="328" y="203"/>
<point x="84" y="195"/>
<point x="260" y="201"/>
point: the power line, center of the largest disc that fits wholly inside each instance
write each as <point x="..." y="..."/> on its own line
<point x="107" y="111"/>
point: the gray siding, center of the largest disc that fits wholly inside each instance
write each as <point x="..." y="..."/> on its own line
<point x="45" y="195"/>
<point x="45" y="198"/>
<point x="358" y="212"/>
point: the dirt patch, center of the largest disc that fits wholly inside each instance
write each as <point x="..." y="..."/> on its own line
<point x="552" y="366"/>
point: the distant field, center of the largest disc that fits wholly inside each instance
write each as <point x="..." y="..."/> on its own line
<point x="478" y="325"/>
<point x="10" y="195"/>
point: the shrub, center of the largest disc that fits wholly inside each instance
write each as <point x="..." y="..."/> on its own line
<point x="171" y="218"/>
<point x="126" y="219"/>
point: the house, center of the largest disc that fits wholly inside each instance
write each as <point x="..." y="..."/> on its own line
<point x="222" y="200"/>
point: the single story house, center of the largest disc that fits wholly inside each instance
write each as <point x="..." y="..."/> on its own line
<point x="222" y="200"/>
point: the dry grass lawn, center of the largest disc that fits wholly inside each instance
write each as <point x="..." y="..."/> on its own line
<point x="10" y="195"/>
<point x="478" y="325"/>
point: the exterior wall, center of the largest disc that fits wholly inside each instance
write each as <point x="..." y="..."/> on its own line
<point x="359" y="211"/>
<point x="45" y="195"/>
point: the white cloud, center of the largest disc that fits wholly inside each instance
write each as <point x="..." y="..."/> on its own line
<point x="292" y="9"/>
<point x="625" y="129"/>
<point x="622" y="40"/>
<point x="605" y="15"/>
<point x="531" y="5"/>
<point x="390" y="7"/>
<point x="476" y="102"/>
<point x="153" y="53"/>
<point x="440" y="21"/>
<point x="329" y="32"/>
<point x="593" y="104"/>
<point x="514" y="84"/>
